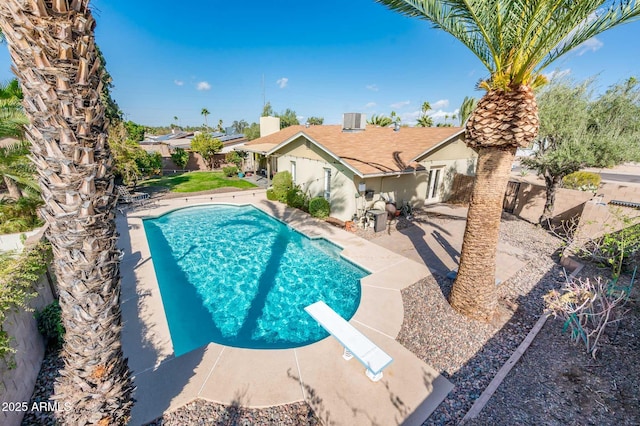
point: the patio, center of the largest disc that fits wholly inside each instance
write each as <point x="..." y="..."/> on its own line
<point x="338" y="390"/>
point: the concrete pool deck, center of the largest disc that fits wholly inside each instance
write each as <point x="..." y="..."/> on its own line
<point x="338" y="391"/>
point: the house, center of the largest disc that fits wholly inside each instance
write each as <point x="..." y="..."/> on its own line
<point x="166" y="144"/>
<point x="355" y="168"/>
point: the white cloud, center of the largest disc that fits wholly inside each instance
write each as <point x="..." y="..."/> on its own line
<point x="372" y="87"/>
<point x="592" y="45"/>
<point x="557" y="74"/>
<point x="442" y="103"/>
<point x="282" y="82"/>
<point x="203" y="85"/>
<point x="179" y="82"/>
<point x="400" y="104"/>
<point x="370" y="105"/>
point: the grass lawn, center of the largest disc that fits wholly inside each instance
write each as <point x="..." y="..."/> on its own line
<point x="197" y="181"/>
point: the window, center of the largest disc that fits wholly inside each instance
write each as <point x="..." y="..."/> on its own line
<point x="293" y="171"/>
<point x="327" y="184"/>
<point x="434" y="184"/>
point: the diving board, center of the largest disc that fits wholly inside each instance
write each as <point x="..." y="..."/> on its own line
<point x="355" y="343"/>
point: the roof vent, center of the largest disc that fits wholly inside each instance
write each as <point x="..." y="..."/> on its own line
<point x="353" y="121"/>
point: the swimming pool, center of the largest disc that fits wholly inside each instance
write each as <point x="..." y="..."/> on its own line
<point x="236" y="276"/>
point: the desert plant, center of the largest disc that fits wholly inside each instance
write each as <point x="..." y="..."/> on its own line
<point x="319" y="207"/>
<point x="50" y="325"/>
<point x="582" y="181"/>
<point x="282" y="182"/>
<point x="296" y="198"/>
<point x="587" y="306"/>
<point x="230" y="171"/>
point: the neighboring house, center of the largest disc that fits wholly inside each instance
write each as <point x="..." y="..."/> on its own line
<point x="355" y="168"/>
<point x="166" y="144"/>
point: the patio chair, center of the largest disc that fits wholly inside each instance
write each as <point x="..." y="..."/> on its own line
<point x="132" y="200"/>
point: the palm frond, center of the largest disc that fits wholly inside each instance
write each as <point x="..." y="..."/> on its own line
<point x="516" y="39"/>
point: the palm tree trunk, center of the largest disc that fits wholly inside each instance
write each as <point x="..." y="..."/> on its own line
<point x="474" y="291"/>
<point x="52" y="46"/>
<point x="502" y="121"/>
<point x="12" y="187"/>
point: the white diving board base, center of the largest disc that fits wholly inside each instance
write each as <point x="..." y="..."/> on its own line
<point x="355" y="343"/>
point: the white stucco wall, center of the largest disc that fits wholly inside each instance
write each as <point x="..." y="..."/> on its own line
<point x="310" y="177"/>
<point x="451" y="158"/>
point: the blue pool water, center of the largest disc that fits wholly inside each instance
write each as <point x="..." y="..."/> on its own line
<point x="236" y="276"/>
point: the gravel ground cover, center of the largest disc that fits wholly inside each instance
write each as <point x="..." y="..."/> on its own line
<point x="469" y="354"/>
<point x="567" y="386"/>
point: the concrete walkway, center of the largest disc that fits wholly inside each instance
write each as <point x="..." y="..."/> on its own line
<point x="338" y="390"/>
<point x="436" y="241"/>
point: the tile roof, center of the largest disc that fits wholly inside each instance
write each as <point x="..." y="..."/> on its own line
<point x="374" y="150"/>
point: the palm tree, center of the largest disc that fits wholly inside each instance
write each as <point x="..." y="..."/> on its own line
<point x="515" y="40"/>
<point x="424" y="120"/>
<point x="379" y="120"/>
<point x="205" y="112"/>
<point x="14" y="167"/>
<point x="16" y="170"/>
<point x="52" y="47"/>
<point x="467" y="107"/>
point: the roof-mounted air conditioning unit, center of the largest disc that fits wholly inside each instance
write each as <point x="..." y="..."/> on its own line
<point x="353" y="121"/>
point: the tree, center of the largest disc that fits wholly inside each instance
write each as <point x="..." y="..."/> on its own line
<point x="315" y="121"/>
<point x="220" y="128"/>
<point x="57" y="65"/>
<point x="130" y="161"/>
<point x="288" y="118"/>
<point x="424" y="120"/>
<point x="467" y="107"/>
<point x="562" y="145"/>
<point x="252" y="132"/>
<point x="111" y="109"/>
<point x="379" y="121"/>
<point x="239" y="126"/>
<point x="135" y="131"/>
<point x="576" y="132"/>
<point x="615" y="123"/>
<point x="207" y="147"/>
<point x="267" y="110"/>
<point x="180" y="157"/>
<point x="515" y="40"/>
<point x="204" y="113"/>
<point x="15" y="169"/>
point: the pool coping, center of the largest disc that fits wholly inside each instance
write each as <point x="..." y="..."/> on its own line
<point x="315" y="373"/>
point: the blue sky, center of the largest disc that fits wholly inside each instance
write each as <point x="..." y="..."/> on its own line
<point x="320" y="59"/>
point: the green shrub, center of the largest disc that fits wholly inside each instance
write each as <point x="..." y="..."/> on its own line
<point x="19" y="276"/>
<point x="50" y="325"/>
<point x="180" y="157"/>
<point x="271" y="196"/>
<point x="230" y="171"/>
<point x="319" y="207"/>
<point x="297" y="199"/>
<point x="282" y="182"/>
<point x="582" y="181"/>
<point x="19" y="215"/>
